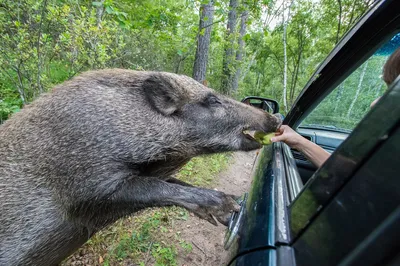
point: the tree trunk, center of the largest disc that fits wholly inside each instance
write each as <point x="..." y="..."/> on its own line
<point x="285" y="63"/>
<point x="251" y="63"/>
<point x="38" y="52"/>
<point x="295" y="74"/>
<point x="358" y="89"/>
<point x="284" y="22"/>
<point x="99" y="12"/>
<point x="227" y="72"/>
<point x="378" y="90"/>
<point x="240" y="51"/>
<point x="20" y="87"/>
<point x="339" y="96"/>
<point x="257" y="87"/>
<point x="339" y="21"/>
<point x="203" y="41"/>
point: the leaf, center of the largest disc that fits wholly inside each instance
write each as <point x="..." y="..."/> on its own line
<point x="109" y="10"/>
<point x="122" y="23"/>
<point x="97" y="4"/>
<point x="15" y="109"/>
<point x="219" y="11"/>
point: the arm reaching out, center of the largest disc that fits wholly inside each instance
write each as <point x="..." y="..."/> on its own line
<point x="312" y="151"/>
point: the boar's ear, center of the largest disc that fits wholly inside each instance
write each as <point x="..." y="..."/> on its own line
<point x="162" y="95"/>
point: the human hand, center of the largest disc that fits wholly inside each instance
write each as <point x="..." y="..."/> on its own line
<point x="289" y="136"/>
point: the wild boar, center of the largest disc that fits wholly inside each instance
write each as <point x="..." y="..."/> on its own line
<point x="105" y="145"/>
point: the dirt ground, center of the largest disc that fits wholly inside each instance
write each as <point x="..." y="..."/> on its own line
<point x="206" y="239"/>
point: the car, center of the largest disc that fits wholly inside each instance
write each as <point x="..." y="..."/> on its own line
<point x="347" y="212"/>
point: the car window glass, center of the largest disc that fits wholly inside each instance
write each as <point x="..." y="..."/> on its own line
<point x="347" y="104"/>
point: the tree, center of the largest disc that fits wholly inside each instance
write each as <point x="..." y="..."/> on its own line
<point x="203" y="41"/>
<point x="44" y="42"/>
<point x="240" y="51"/>
<point x="339" y="20"/>
<point x="359" y="87"/>
<point x="229" y="57"/>
<point x="99" y="12"/>
<point x="284" y="39"/>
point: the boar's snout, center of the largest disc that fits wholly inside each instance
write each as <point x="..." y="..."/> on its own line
<point x="258" y="120"/>
<point x="279" y="120"/>
<point x="270" y="122"/>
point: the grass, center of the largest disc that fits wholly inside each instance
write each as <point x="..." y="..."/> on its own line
<point x="202" y="171"/>
<point x="150" y="237"/>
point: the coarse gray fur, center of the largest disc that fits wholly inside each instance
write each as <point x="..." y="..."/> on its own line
<point x="104" y="145"/>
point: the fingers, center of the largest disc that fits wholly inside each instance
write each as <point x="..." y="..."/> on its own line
<point x="284" y="128"/>
<point x="278" y="138"/>
<point x="280" y="131"/>
<point x="279" y="135"/>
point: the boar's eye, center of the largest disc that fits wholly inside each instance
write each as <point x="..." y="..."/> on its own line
<point x="212" y="100"/>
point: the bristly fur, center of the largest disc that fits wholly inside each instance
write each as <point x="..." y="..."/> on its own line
<point x="104" y="145"/>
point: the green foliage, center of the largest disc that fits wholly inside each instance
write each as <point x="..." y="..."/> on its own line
<point x="311" y="34"/>
<point x="143" y="240"/>
<point x="46" y="42"/>
<point x="9" y="101"/>
<point x="338" y="109"/>
<point x="186" y="246"/>
<point x="164" y="254"/>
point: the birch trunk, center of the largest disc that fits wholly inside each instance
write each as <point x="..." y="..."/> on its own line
<point x="284" y="22"/>
<point x="359" y="87"/>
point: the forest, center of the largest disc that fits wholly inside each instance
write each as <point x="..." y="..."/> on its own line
<point x="261" y="47"/>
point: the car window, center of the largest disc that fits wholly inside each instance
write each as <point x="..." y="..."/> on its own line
<point x="347" y="104"/>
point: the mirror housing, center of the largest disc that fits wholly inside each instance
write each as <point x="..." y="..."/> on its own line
<point x="268" y="105"/>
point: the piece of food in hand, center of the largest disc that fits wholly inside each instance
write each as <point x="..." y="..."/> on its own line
<point x="260" y="136"/>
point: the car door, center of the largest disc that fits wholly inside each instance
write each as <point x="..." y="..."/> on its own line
<point x="279" y="209"/>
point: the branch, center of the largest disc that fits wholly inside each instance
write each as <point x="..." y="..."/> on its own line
<point x="38" y="47"/>
<point x="215" y="22"/>
<point x="340" y="21"/>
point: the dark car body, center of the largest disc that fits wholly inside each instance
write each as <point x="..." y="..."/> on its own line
<point x="348" y="211"/>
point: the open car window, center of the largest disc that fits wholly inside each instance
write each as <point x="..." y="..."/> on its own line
<point x="347" y="104"/>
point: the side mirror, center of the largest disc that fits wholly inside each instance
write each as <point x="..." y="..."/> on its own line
<point x="268" y="105"/>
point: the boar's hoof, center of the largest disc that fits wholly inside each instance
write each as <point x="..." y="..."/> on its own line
<point x="221" y="212"/>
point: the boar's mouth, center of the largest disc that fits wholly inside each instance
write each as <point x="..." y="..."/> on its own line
<point x="250" y="133"/>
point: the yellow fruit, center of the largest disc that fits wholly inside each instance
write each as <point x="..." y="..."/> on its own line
<point x="260" y="136"/>
<point x="263" y="138"/>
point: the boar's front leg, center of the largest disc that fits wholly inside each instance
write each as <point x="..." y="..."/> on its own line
<point x="174" y="180"/>
<point x="146" y="192"/>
